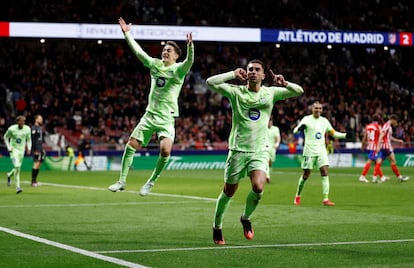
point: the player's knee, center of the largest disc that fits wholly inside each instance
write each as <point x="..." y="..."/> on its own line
<point x="134" y="143"/>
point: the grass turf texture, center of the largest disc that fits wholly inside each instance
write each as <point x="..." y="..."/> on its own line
<point x="372" y="225"/>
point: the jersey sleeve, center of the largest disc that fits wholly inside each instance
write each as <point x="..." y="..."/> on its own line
<point x="188" y="62"/>
<point x="302" y="122"/>
<point x="29" y="139"/>
<point x="217" y="83"/>
<point x="291" y="90"/>
<point x="138" y="51"/>
<point x="7" y="140"/>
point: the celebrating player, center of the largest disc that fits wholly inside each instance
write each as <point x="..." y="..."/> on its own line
<point x="248" y="142"/>
<point x="315" y="127"/>
<point x="167" y="78"/>
<point x="16" y="138"/>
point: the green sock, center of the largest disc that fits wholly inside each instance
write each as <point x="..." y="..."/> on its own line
<point x="17" y="176"/>
<point x="127" y="159"/>
<point x="161" y="162"/>
<point x="325" y="187"/>
<point x="301" y="184"/>
<point x="223" y="202"/>
<point x="252" y="201"/>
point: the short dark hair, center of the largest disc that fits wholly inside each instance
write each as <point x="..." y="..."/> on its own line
<point x="393" y="117"/>
<point x="376" y="118"/>
<point x="175" y="46"/>
<point x="257" y="61"/>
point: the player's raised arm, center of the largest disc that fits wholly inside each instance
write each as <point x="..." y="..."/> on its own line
<point x="136" y="48"/>
<point x="189" y="59"/>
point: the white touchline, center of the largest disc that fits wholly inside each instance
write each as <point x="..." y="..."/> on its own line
<point x="73" y="249"/>
<point x="128" y="191"/>
<point x="258" y="246"/>
<point x="99" y="204"/>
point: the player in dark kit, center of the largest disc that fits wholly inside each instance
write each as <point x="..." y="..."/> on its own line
<point x="38" y="154"/>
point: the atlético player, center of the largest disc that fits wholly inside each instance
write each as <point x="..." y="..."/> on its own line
<point x="370" y="143"/>
<point x="385" y="149"/>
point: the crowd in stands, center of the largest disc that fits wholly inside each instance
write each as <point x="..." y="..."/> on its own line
<point x="100" y="90"/>
<point x="379" y="15"/>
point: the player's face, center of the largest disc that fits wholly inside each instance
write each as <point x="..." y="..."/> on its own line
<point x="168" y="55"/>
<point x="39" y="120"/>
<point x="255" y="72"/>
<point x="20" y="123"/>
<point x="317" y="110"/>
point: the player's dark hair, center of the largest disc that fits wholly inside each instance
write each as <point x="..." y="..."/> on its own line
<point x="257" y="61"/>
<point x="394" y="117"/>
<point x="376" y="118"/>
<point x="175" y="46"/>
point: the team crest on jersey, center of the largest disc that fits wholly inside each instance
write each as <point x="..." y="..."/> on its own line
<point x="160" y="81"/>
<point x="318" y="135"/>
<point x="254" y="114"/>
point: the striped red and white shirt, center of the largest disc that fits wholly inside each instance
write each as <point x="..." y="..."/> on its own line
<point x="373" y="132"/>
<point x="386" y="141"/>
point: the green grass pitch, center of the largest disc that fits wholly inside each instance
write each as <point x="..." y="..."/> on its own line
<point x="372" y="225"/>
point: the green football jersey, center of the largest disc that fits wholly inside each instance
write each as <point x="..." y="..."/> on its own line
<point x="273" y="133"/>
<point x="166" y="81"/>
<point x="16" y="138"/>
<point x="314" y="134"/>
<point x="251" y="111"/>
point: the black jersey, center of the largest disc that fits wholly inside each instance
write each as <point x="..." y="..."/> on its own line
<point x="37" y="138"/>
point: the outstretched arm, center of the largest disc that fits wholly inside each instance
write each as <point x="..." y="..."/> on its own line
<point x="340" y="135"/>
<point x="136" y="48"/>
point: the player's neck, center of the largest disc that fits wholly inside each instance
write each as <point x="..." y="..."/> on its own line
<point x="254" y="86"/>
<point x="168" y="63"/>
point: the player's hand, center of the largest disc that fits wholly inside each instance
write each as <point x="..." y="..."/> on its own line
<point x="189" y="38"/>
<point x="240" y="74"/>
<point x="278" y="79"/>
<point x="125" y="27"/>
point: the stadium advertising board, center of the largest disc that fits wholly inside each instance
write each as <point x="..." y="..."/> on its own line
<point x="202" y="33"/>
<point x="337" y="37"/>
<point x="193" y="162"/>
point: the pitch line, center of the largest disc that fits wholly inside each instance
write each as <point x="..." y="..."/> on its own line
<point x="127" y="191"/>
<point x="257" y="246"/>
<point x="72" y="249"/>
<point x="98" y="204"/>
